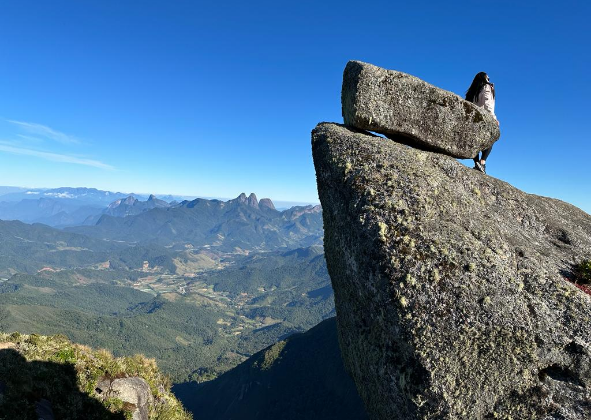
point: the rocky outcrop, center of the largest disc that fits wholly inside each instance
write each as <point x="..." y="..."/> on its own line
<point x="50" y="377"/>
<point x="251" y="200"/>
<point x="134" y="391"/>
<point x="155" y="202"/>
<point x="450" y="286"/>
<point x="130" y="206"/>
<point x="128" y="201"/>
<point x="266" y="203"/>
<point x="394" y="103"/>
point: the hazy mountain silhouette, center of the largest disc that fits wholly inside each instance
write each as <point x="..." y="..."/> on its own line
<point x="238" y="223"/>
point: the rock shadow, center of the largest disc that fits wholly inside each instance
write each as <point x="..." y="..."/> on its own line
<point x="48" y="390"/>
<point x="304" y="379"/>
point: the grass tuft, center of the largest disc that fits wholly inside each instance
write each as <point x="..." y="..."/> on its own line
<point x="66" y="374"/>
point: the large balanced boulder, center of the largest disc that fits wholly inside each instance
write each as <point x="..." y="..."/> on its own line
<point x="451" y="286"/>
<point x="394" y="103"/>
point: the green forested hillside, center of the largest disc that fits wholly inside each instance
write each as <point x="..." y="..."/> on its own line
<point x="224" y="225"/>
<point x="200" y="287"/>
<point x="274" y="270"/>
<point x="182" y="338"/>
<point x="28" y="248"/>
<point x="301" y="377"/>
<point x="195" y="326"/>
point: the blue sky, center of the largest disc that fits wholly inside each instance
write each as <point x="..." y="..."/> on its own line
<point x="213" y="99"/>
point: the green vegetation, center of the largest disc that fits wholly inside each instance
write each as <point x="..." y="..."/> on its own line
<point x="272" y="354"/>
<point x="582" y="272"/>
<point x="199" y="288"/>
<point x="196" y="326"/>
<point x="34" y="367"/>
<point x="30" y="248"/>
<point x="153" y="330"/>
<point x="227" y="226"/>
<point x="301" y="377"/>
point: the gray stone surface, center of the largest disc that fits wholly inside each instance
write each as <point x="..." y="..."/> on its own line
<point x="394" y="103"/>
<point x="449" y="285"/>
<point x="133" y="390"/>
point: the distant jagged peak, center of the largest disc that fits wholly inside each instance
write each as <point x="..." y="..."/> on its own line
<point x="130" y="200"/>
<point x="266" y="203"/>
<point x="251" y="200"/>
<point x="153" y="201"/>
<point x="297" y="211"/>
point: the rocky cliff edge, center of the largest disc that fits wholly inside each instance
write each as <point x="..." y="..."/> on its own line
<point x="49" y="377"/>
<point x="451" y="286"/>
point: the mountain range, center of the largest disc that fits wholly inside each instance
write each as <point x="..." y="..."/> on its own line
<point x="236" y="225"/>
<point x="199" y="285"/>
<point x="128" y="206"/>
<point x="240" y="261"/>
<point x="65" y="206"/>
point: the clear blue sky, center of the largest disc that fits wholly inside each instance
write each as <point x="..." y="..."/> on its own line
<point x="216" y="98"/>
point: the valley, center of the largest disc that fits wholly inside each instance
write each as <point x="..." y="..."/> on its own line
<point x="198" y="305"/>
<point x="196" y="325"/>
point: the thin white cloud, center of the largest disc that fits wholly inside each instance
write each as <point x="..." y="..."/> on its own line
<point x="55" y="157"/>
<point x="47" y="132"/>
<point x="30" y="139"/>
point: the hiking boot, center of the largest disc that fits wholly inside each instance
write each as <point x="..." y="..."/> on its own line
<point x="480" y="167"/>
<point x="483" y="168"/>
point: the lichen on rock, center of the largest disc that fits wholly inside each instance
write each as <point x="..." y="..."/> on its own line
<point x="420" y="114"/>
<point x="450" y="285"/>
